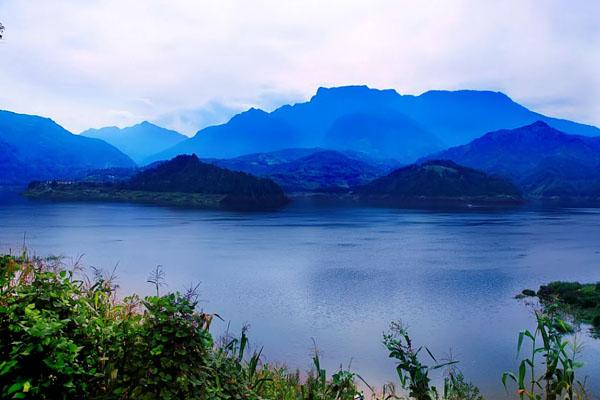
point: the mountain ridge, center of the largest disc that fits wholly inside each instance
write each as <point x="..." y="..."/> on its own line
<point x="45" y="150"/>
<point x="307" y="170"/>
<point x="434" y="118"/>
<point x="537" y="157"/>
<point x="137" y="141"/>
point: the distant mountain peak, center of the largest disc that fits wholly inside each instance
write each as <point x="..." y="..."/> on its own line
<point x="39" y="148"/>
<point x="467" y="92"/>
<point x="542" y="160"/>
<point x="350" y="90"/>
<point x="138" y="141"/>
<point x="252" y="112"/>
<point x="538" y="128"/>
<point x="539" y="124"/>
<point x="380" y="123"/>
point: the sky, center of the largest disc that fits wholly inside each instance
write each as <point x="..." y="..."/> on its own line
<point x="187" y="64"/>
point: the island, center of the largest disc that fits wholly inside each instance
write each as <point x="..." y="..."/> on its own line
<point x="580" y="301"/>
<point x="182" y="181"/>
<point x="439" y="183"/>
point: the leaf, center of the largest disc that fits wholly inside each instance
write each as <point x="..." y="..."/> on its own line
<point x="14" y="387"/>
<point x="522" y="372"/>
<point x="430" y="354"/>
<point x="508" y="375"/>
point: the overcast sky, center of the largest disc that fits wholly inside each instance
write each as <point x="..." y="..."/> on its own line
<point x="187" y="64"/>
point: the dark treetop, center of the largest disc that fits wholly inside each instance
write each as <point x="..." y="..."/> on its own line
<point x="182" y="181"/>
<point x="440" y="182"/>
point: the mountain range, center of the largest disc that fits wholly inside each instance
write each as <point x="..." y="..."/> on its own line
<point x="380" y="123"/>
<point x="33" y="147"/>
<point x="310" y="170"/>
<point x="139" y="141"/>
<point x="541" y="160"/>
<point x="341" y="139"/>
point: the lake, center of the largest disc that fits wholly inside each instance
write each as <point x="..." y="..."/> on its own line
<point x="337" y="275"/>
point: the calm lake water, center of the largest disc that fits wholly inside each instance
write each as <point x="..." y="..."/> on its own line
<point x="337" y="276"/>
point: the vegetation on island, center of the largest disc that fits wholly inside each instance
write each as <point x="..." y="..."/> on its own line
<point x="66" y="335"/>
<point x="311" y="170"/>
<point x="183" y="181"/>
<point x="342" y="138"/>
<point x="442" y="183"/>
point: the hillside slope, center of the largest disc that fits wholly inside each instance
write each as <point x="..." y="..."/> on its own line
<point x="138" y="141"/>
<point x="309" y="170"/>
<point x="439" y="182"/>
<point x="42" y="149"/>
<point x="381" y="123"/>
<point x="543" y="161"/>
<point x="183" y="181"/>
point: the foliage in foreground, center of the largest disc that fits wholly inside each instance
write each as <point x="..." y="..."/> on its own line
<point x="555" y="378"/>
<point x="580" y="300"/>
<point x="65" y="338"/>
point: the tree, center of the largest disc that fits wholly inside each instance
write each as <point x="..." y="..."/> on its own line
<point x="1" y="30"/>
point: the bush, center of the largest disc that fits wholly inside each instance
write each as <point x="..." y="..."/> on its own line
<point x="64" y="338"/>
<point x="54" y="333"/>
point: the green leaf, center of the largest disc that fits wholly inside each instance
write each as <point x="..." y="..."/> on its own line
<point x="15" y="387"/>
<point x="522" y="372"/>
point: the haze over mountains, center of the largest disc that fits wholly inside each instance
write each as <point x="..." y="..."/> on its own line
<point x="343" y="138"/>
<point x="381" y="123"/>
<point x="33" y="147"/>
<point x="139" y="141"/>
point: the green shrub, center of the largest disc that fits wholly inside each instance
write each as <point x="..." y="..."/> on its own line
<point x="68" y="338"/>
<point x="54" y="333"/>
<point x="64" y="338"/>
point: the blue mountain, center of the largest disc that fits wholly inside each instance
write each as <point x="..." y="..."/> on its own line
<point x="381" y="134"/>
<point x="32" y="147"/>
<point x="138" y="141"/>
<point x="381" y="123"/>
<point x="543" y="161"/>
<point x="308" y="170"/>
<point x="248" y="132"/>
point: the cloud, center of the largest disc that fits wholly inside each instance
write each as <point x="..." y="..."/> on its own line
<point x="189" y="121"/>
<point x="191" y="63"/>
